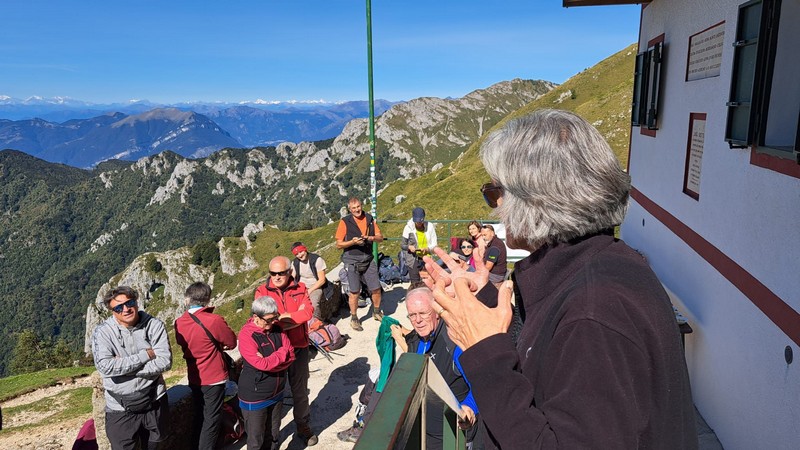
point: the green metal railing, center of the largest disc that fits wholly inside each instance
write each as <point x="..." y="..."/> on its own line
<point x="449" y="222"/>
<point x="399" y="418"/>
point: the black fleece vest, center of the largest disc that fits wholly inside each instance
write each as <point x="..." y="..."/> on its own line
<point x="257" y="385"/>
<point x="357" y="253"/>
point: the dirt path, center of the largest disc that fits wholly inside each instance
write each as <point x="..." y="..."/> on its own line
<point x="46" y="392"/>
<point x="42" y="434"/>
<point x="47" y="436"/>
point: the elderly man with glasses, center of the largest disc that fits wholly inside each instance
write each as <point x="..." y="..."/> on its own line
<point x="598" y="362"/>
<point x="428" y="337"/>
<point x="131" y="351"/>
<point x="295" y="310"/>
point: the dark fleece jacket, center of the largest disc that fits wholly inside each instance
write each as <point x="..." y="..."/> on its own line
<point x="610" y="374"/>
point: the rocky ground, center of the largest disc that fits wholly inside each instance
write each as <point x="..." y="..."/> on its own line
<point x="335" y="385"/>
<point x="334" y="390"/>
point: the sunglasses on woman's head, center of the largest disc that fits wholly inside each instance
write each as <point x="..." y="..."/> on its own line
<point x="491" y="194"/>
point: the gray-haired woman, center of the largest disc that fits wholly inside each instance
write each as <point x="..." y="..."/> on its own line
<point x="267" y="353"/>
<point x="598" y="362"/>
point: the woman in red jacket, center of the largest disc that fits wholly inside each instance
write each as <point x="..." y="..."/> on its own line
<point x="267" y="353"/>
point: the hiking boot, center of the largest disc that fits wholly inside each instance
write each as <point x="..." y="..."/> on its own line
<point x="351" y="434"/>
<point x="355" y="324"/>
<point x="377" y="315"/>
<point x="308" y="436"/>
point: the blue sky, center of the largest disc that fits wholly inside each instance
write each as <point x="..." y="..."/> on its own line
<point x="241" y="50"/>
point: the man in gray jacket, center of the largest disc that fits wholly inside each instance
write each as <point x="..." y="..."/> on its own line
<point x="131" y="351"/>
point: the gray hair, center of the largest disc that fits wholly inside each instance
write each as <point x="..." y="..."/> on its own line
<point x="263" y="306"/>
<point x="420" y="291"/>
<point x="560" y="178"/>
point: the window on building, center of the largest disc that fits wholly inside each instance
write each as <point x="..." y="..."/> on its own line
<point x="647" y="85"/>
<point x="764" y="106"/>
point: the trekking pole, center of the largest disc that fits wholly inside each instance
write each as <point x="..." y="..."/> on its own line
<point x="321" y="350"/>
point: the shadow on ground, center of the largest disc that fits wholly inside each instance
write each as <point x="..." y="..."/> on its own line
<point x="332" y="402"/>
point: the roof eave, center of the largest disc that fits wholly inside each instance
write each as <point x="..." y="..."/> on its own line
<point x="571" y="3"/>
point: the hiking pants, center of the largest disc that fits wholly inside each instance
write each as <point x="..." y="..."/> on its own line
<point x="298" y="382"/>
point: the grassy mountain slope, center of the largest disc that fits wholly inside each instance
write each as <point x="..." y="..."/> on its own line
<point x="602" y="96"/>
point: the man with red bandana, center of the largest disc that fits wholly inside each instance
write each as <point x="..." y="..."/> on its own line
<point x="309" y="269"/>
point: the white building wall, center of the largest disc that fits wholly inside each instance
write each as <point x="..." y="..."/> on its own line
<point x="741" y="383"/>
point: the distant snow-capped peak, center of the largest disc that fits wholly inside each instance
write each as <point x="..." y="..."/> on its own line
<point x="287" y="102"/>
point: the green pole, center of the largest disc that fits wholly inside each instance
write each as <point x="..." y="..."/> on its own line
<point x="373" y="184"/>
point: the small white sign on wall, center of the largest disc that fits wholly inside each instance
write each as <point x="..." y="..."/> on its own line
<point x="705" y="53"/>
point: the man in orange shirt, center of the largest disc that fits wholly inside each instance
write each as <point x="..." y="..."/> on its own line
<point x="355" y="235"/>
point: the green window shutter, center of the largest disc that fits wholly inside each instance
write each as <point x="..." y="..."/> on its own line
<point x="639" y="90"/>
<point x="740" y="127"/>
<point x="655" y="55"/>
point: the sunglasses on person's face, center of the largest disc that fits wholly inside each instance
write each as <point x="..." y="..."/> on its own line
<point x="491" y="194"/>
<point x="466" y="247"/>
<point x="282" y="273"/>
<point x="121" y="307"/>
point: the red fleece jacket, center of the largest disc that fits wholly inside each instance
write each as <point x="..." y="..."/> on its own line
<point x="204" y="362"/>
<point x="293" y="299"/>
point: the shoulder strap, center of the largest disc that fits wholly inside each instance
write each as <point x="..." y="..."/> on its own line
<point x="296" y="264"/>
<point x="208" y="333"/>
<point x="370" y="222"/>
<point x="312" y="263"/>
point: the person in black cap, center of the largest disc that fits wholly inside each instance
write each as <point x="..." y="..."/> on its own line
<point x="418" y="240"/>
